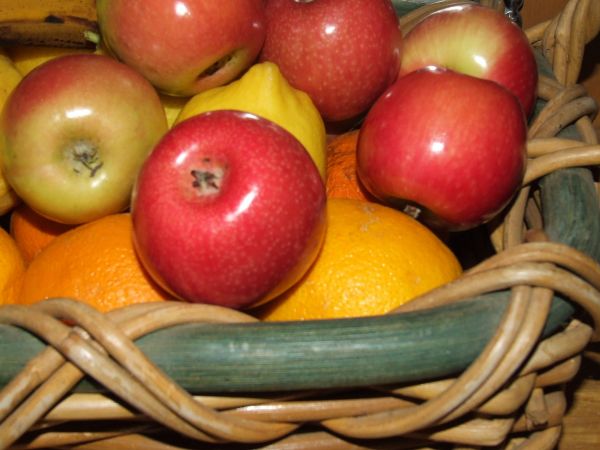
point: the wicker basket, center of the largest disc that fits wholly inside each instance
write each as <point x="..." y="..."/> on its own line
<point x="480" y="362"/>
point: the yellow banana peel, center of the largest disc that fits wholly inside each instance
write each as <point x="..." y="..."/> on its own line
<point x="9" y="78"/>
<point x="28" y="57"/>
<point x="53" y="23"/>
<point x="8" y="198"/>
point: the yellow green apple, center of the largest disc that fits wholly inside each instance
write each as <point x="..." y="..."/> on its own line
<point x="74" y="134"/>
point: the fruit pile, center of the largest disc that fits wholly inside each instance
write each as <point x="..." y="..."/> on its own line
<point x="298" y="160"/>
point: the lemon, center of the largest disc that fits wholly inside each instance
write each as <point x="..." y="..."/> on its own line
<point x="264" y="91"/>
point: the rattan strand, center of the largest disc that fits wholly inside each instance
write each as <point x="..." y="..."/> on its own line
<point x="542" y="146"/>
<point x="552" y="277"/>
<point x="112" y="374"/>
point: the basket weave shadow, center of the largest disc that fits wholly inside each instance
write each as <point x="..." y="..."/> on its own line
<point x="511" y="395"/>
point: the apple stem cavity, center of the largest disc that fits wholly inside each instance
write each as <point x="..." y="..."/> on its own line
<point x="84" y="156"/>
<point x="207" y="181"/>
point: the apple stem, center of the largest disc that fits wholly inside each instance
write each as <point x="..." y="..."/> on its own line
<point x="412" y="211"/>
<point x="207" y="181"/>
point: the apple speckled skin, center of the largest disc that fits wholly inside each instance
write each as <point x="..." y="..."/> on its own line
<point x="450" y="146"/>
<point x="343" y="53"/>
<point x="75" y="132"/>
<point x="184" y="46"/>
<point x="477" y="41"/>
<point x="229" y="209"/>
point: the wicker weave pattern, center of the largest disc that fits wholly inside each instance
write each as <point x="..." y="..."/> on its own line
<point x="512" y="396"/>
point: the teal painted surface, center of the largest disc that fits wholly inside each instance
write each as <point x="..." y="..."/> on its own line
<point x="405" y="6"/>
<point x="215" y="358"/>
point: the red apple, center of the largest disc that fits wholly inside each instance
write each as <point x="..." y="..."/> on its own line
<point x="75" y="133"/>
<point x="229" y="209"/>
<point x="343" y="53"/>
<point x="447" y="147"/>
<point x="184" y="46"/>
<point x="478" y="41"/>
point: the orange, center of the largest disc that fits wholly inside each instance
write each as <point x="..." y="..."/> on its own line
<point x="12" y="268"/>
<point x="342" y="178"/>
<point x="374" y="258"/>
<point x="32" y="232"/>
<point x="95" y="263"/>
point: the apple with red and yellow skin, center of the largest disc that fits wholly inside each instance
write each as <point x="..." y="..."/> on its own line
<point x="75" y="132"/>
<point x="183" y="46"/>
<point x="478" y="41"/>
<point x="342" y="53"/>
<point x="229" y="209"/>
<point x="445" y="147"/>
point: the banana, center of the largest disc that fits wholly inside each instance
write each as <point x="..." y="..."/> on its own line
<point x="53" y="23"/>
<point x="8" y="198"/>
<point x="40" y="10"/>
<point x="28" y="57"/>
<point x="9" y="78"/>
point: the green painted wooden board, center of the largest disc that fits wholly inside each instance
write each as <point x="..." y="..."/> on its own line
<point x="353" y="352"/>
<point x="260" y="357"/>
